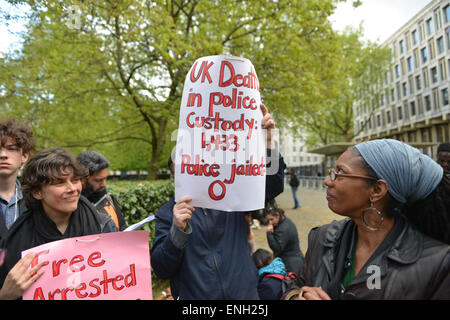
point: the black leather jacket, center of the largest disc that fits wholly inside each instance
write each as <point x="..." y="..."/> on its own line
<point x="412" y="266"/>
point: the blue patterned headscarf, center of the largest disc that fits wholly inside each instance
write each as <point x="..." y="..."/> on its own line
<point x="410" y="175"/>
<point x="277" y="266"/>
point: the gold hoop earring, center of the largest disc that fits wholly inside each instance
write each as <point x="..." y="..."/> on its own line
<point x="378" y="212"/>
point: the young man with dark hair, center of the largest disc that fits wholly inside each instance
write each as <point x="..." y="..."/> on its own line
<point x="443" y="157"/>
<point x="16" y="143"/>
<point x="94" y="188"/>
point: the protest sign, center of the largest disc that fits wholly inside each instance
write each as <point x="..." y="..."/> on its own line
<point x="220" y="158"/>
<point x="107" y="266"/>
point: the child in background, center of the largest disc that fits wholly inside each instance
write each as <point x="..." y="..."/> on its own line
<point x="269" y="285"/>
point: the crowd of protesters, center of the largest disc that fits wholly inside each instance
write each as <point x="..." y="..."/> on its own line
<point x="395" y="201"/>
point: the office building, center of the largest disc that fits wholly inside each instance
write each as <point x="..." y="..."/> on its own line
<point x="413" y="106"/>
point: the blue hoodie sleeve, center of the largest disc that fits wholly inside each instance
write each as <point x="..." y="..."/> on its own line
<point x="168" y="246"/>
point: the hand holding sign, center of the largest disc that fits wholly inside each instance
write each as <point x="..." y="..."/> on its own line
<point x="20" y="279"/>
<point x="268" y="124"/>
<point x="182" y="212"/>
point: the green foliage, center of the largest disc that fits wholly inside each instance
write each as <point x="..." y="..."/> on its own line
<point x="352" y="66"/>
<point x="138" y="200"/>
<point x="113" y="83"/>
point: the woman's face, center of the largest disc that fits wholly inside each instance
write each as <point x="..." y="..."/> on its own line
<point x="348" y="196"/>
<point x="60" y="197"/>
<point x="273" y="220"/>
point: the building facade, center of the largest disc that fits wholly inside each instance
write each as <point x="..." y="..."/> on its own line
<point x="292" y="147"/>
<point x="414" y="104"/>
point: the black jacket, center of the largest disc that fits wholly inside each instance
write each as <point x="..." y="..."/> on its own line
<point x="285" y="244"/>
<point x="293" y="181"/>
<point x="106" y="203"/>
<point x="411" y="266"/>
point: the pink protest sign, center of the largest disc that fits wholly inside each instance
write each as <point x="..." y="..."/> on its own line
<point x="107" y="266"/>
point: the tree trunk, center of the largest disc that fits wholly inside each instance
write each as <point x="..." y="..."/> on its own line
<point x="158" y="143"/>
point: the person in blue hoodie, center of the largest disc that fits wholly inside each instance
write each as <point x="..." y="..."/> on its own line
<point x="204" y="252"/>
<point x="269" y="285"/>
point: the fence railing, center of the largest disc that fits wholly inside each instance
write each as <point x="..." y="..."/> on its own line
<point x="310" y="182"/>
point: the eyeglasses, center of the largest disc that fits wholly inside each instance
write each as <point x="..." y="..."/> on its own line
<point x="333" y="175"/>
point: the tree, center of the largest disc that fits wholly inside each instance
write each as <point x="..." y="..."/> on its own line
<point x="355" y="67"/>
<point x="95" y="73"/>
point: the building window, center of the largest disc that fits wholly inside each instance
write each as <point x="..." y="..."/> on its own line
<point x="427" y="103"/>
<point x="379" y="120"/>
<point x="430" y="27"/>
<point x="438" y="17"/>
<point x="440" y="44"/>
<point x="444" y="96"/>
<point x="415" y="37"/>
<point x="412" y="108"/>
<point x="392" y="94"/>
<point x="382" y="100"/>
<point x="388" y="116"/>
<point x="434" y="75"/>
<point x="397" y="71"/>
<point x="405" y="89"/>
<point x="399" y="113"/>
<point x="448" y="38"/>
<point x="418" y="84"/>
<point x="447" y="13"/>
<point x="410" y="64"/>
<point x="401" y="46"/>
<point x="424" y="55"/>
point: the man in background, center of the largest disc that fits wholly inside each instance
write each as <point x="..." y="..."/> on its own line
<point x="294" y="183"/>
<point x="443" y="157"/>
<point x="95" y="189"/>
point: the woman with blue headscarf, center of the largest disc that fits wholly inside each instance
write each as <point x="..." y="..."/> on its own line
<point x="394" y="241"/>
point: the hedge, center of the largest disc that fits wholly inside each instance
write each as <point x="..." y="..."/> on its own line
<point x="138" y="200"/>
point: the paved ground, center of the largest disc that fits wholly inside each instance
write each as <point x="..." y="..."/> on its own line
<point x="313" y="212"/>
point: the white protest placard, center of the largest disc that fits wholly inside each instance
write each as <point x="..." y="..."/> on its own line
<point x="220" y="158"/>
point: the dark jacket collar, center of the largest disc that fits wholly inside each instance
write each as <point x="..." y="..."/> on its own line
<point x="406" y="249"/>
